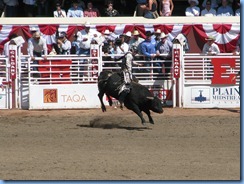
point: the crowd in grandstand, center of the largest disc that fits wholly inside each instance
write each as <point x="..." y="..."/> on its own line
<point x="112" y="8"/>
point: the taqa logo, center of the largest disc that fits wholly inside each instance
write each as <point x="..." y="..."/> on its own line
<point x="50" y="95"/>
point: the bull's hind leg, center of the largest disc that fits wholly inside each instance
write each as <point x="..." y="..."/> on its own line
<point x="100" y="95"/>
<point x="109" y="100"/>
<point x="149" y="116"/>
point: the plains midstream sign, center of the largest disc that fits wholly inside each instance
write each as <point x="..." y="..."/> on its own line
<point x="212" y="97"/>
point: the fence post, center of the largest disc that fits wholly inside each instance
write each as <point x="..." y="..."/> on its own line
<point x="177" y="73"/>
<point x="14" y="48"/>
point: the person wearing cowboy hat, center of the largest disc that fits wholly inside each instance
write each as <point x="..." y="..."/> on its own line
<point x="85" y="37"/>
<point x="210" y="48"/>
<point x="37" y="47"/>
<point x="156" y="37"/>
<point x="193" y="10"/>
<point x="148" y="50"/>
<point x="164" y="48"/>
<point x="135" y="40"/>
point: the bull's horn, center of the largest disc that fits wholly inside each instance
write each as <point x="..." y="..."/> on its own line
<point x="149" y="97"/>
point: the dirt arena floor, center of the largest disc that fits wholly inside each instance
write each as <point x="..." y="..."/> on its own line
<point x="183" y="144"/>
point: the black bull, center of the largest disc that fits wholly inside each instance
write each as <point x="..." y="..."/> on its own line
<point x="139" y="99"/>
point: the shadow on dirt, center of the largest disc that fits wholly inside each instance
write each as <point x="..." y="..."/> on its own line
<point x="230" y="110"/>
<point x="114" y="123"/>
<point x="114" y="126"/>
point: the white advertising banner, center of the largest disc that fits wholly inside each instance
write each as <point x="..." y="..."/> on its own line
<point x="211" y="97"/>
<point x="3" y="99"/>
<point x="63" y="96"/>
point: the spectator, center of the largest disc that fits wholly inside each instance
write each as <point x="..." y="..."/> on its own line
<point x="85" y="37"/>
<point x="11" y="8"/>
<point x="127" y="37"/>
<point x="156" y="37"/>
<point x="59" y="12"/>
<point x="210" y="48"/>
<point x="75" y="45"/>
<point x="164" y="47"/>
<point x="5" y="47"/>
<point x="193" y="10"/>
<point x="75" y="10"/>
<point x="91" y="11"/>
<point x="238" y="47"/>
<point x="81" y="4"/>
<point x="140" y="8"/>
<point x="29" y="8"/>
<point x="225" y="9"/>
<point x="214" y="4"/>
<point x="110" y="11"/>
<point x="166" y="7"/>
<point x="148" y="50"/>
<point x="151" y="9"/>
<point x="42" y="8"/>
<point x="237" y="11"/>
<point x="136" y="40"/>
<point x="208" y="11"/>
<point x="37" y="46"/>
<point x="64" y="45"/>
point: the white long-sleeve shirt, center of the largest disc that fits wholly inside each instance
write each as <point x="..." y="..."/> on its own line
<point x="39" y="46"/>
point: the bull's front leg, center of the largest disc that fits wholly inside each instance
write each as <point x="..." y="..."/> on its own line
<point x="100" y="95"/>
<point x="135" y="109"/>
<point x="147" y="111"/>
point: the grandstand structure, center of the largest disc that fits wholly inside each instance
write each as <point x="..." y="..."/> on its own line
<point x="70" y="81"/>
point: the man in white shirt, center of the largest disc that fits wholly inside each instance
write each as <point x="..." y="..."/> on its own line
<point x="208" y="11"/>
<point x="193" y="10"/>
<point x="210" y="48"/>
<point x="37" y="47"/>
<point x="85" y="37"/>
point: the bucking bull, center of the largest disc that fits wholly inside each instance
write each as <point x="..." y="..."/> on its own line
<point x="139" y="99"/>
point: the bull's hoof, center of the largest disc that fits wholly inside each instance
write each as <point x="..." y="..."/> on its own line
<point x="152" y="122"/>
<point x="104" y="109"/>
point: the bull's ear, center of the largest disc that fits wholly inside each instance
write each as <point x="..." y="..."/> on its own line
<point x="150" y="98"/>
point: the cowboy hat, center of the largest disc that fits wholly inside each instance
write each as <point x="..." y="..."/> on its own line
<point x="136" y="33"/>
<point x="163" y="35"/>
<point x="196" y="1"/>
<point x="87" y="24"/>
<point x="33" y="29"/>
<point x="106" y="32"/>
<point x="210" y="38"/>
<point x="158" y="31"/>
<point x="128" y="34"/>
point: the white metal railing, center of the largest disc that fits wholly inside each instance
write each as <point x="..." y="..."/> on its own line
<point x="77" y="69"/>
<point x="197" y="68"/>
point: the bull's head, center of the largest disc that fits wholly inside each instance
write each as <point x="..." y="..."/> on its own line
<point x="155" y="104"/>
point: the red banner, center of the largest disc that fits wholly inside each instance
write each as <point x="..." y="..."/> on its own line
<point x="13" y="60"/>
<point x="176" y="63"/>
